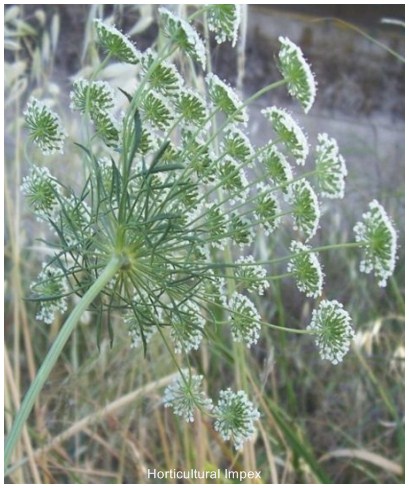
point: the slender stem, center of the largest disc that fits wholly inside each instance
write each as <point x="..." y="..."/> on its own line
<point x="54" y="353"/>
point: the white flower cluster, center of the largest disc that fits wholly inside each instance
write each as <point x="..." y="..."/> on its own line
<point x="225" y="99"/>
<point x="45" y="127"/>
<point x="51" y="286"/>
<point x="183" y="35"/>
<point x="378" y="238"/>
<point x="161" y="76"/>
<point x="185" y="395"/>
<point x="267" y="208"/>
<point x="304" y="265"/>
<point x="224" y="21"/>
<point x="235" y="417"/>
<point x="142" y="331"/>
<point x="42" y="192"/>
<point x="237" y="145"/>
<point x="306" y="210"/>
<point x="233" y="179"/>
<point x="244" y="319"/>
<point x="115" y="43"/>
<point x="330" y="166"/>
<point x="187" y="327"/>
<point x="91" y="96"/>
<point x="277" y="166"/>
<point x="289" y="133"/>
<point x="297" y="72"/>
<point x="331" y="326"/>
<point x="250" y="275"/>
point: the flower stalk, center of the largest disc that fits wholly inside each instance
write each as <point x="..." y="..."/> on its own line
<point x="54" y="353"/>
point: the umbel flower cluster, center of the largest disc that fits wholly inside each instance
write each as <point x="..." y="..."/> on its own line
<point x="178" y="193"/>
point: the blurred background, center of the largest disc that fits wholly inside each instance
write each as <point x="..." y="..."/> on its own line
<point x="100" y="416"/>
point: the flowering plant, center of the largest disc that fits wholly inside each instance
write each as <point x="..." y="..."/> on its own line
<point x="164" y="226"/>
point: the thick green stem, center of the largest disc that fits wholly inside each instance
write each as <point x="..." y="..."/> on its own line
<point x="54" y="353"/>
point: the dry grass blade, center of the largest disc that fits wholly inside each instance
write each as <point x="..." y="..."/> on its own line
<point x="94" y="417"/>
<point x="367" y="456"/>
<point x="26" y="438"/>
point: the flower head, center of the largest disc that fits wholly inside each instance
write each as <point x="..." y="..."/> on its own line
<point x="235" y="417"/>
<point x="215" y="220"/>
<point x="156" y="110"/>
<point x="331" y="325"/>
<point x="45" y="127"/>
<point x="107" y="127"/>
<point x="199" y="156"/>
<point x="42" y="191"/>
<point x="297" y="72"/>
<point x="378" y="238"/>
<point x="142" y="323"/>
<point x="267" y="208"/>
<point x="241" y="230"/>
<point x="74" y="221"/>
<point x="185" y="395"/>
<point x="277" y="166"/>
<point x="237" y="145"/>
<point x="51" y="289"/>
<point x="289" y="132"/>
<point x="244" y="319"/>
<point x="306" y="268"/>
<point x="306" y="211"/>
<point x="233" y="179"/>
<point x="193" y="108"/>
<point x="162" y="76"/>
<point x="224" y="21"/>
<point x="116" y="44"/>
<point x="250" y="276"/>
<point x="225" y="99"/>
<point x="187" y="325"/>
<point x="330" y="168"/>
<point x="90" y="96"/>
<point x="183" y="35"/>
